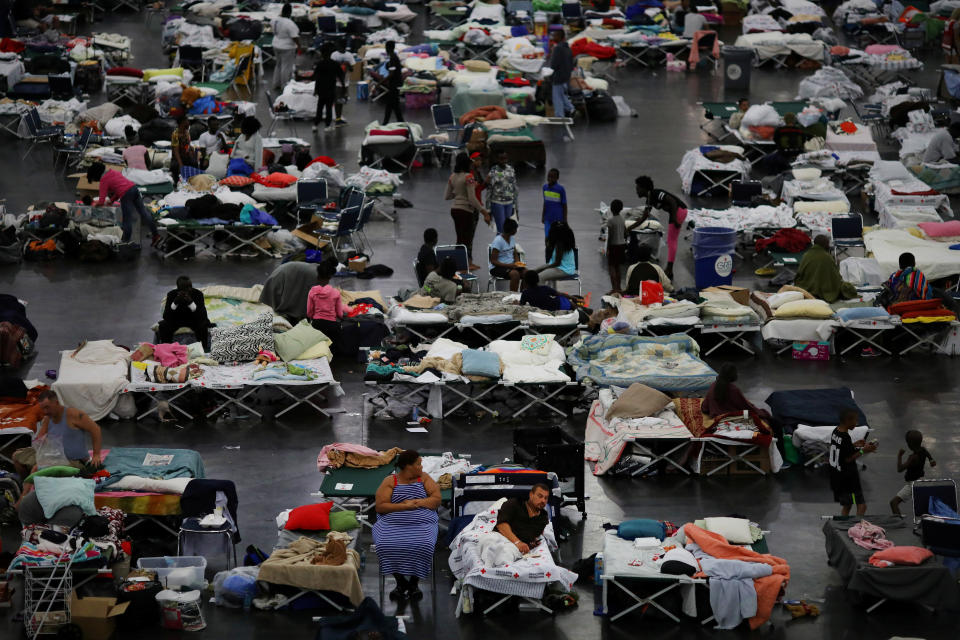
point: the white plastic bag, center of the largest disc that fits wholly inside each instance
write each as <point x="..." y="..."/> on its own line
<point x="181" y="611"/>
<point x="623" y="109"/>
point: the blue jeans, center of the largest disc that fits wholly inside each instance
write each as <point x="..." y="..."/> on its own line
<point x="500" y="213"/>
<point x="561" y="101"/>
<point x="131" y="205"/>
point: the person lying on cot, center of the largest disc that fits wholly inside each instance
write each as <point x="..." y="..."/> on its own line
<point x="185" y="308"/>
<point x="818" y="274"/>
<point x="522" y="521"/>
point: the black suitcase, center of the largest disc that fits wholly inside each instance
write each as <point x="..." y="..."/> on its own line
<point x="601" y="108"/>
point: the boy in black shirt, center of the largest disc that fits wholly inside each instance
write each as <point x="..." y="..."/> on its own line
<point x="427" y="256"/>
<point x="913" y="467"/>
<point x="522" y="521"/>
<point x="844" y="477"/>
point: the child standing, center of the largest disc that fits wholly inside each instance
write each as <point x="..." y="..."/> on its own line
<point x="616" y="244"/>
<point x="325" y="307"/>
<point x="427" y="256"/>
<point x="554" y="202"/>
<point x="844" y="477"/>
<point x="913" y="468"/>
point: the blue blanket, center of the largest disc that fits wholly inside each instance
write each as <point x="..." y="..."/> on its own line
<point x="813" y="407"/>
<point x="152" y="463"/>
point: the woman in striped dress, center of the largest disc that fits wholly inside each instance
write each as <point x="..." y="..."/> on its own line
<point x="406" y="529"/>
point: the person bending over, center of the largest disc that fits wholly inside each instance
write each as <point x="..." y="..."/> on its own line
<point x="68" y="429"/>
<point x="844" y="453"/>
<point x="913" y="466"/>
<point x="676" y="212"/>
<point x="324" y="305"/>
<point x="504" y="257"/>
<point x="185" y="308"/>
<point x="522" y="521"/>
<point x="117" y="189"/>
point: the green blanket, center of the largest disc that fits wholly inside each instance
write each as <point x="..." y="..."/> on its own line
<point x="819" y="275"/>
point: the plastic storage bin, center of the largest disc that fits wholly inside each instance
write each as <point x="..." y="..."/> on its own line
<point x="174" y="572"/>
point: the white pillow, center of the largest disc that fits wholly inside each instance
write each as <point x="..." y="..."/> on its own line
<point x="822" y="206"/>
<point x="778" y="299"/>
<point x="806" y="173"/>
<point x="445" y="348"/>
<point x="735" y="530"/>
<point x="680" y="554"/>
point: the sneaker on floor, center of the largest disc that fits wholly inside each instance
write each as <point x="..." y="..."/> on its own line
<point x="313" y="128"/>
<point x="341" y="122"/>
<point x="765" y="272"/>
<point x="869" y="352"/>
<point x="329" y="128"/>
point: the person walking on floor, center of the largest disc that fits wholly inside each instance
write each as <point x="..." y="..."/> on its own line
<point x="346" y="60"/>
<point x="466" y="208"/>
<point x="913" y="466"/>
<point x="502" y="182"/>
<point x="407" y="524"/>
<point x="561" y="62"/>
<point x="554" y="202"/>
<point x="325" y="306"/>
<point x="115" y="188"/>
<point x="327" y="75"/>
<point x="844" y="453"/>
<point x="285" y="34"/>
<point x="393" y="82"/>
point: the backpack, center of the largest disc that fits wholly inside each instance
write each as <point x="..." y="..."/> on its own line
<point x="602" y="108"/>
<point x="94" y="251"/>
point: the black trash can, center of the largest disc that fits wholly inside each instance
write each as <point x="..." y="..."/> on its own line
<point x="737" y="64"/>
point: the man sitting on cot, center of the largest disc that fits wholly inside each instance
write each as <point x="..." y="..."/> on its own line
<point x="522" y="521"/>
<point x="185" y="308"/>
<point x="819" y="276"/>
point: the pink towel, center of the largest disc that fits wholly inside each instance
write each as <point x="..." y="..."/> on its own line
<point x="170" y="355"/>
<point x="869" y="536"/>
<point x="882" y="49"/>
<point x="323" y="462"/>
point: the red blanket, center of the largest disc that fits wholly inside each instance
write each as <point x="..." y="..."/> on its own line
<point x="768" y="587"/>
<point x="585" y="47"/>
<point x="789" y="240"/>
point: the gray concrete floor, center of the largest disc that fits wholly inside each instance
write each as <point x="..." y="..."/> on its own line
<point x="274" y="467"/>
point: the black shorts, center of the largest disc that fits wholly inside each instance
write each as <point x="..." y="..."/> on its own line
<point x="848" y="494"/>
<point x="500" y="272"/>
<point x="616" y="254"/>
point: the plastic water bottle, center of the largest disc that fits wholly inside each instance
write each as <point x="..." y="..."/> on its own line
<point x="598" y="585"/>
<point x="247" y="600"/>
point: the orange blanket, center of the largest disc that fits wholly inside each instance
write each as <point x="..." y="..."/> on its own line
<point x="768" y="588"/>
<point x="20" y="412"/>
<point x="489" y="112"/>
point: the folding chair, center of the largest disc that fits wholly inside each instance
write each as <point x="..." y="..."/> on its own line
<point x="280" y="116"/>
<point x="872" y="117"/>
<point x="358" y="237"/>
<point x="459" y="254"/>
<point x="572" y="12"/>
<point x="73" y="154"/>
<point x="944" y="489"/>
<point x="346" y="227"/>
<point x="311" y="197"/>
<point x="493" y="280"/>
<point x="192" y="58"/>
<point x="443" y="118"/>
<point x="37" y="133"/>
<point x="329" y="30"/>
<point x="847" y="232"/>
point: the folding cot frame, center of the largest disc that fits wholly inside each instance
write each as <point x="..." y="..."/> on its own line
<point x="928" y="338"/>
<point x="486" y="52"/>
<point x="740" y="449"/>
<point x="867" y="332"/>
<point x="716" y="178"/>
<point x="562" y="332"/>
<point x="10" y="122"/>
<point x="729" y="334"/>
<point x="732" y="454"/>
<point x="825" y="450"/>
<point x="650" y="55"/>
<point x="137" y="92"/>
<point x="645" y="601"/>
<point x="201" y="238"/>
<point x="443" y="17"/>
<point x="721" y="111"/>
<point x="754" y="150"/>
<point x="472" y="394"/>
<point x="643" y="449"/>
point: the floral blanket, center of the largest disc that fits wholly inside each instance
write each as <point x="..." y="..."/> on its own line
<point x="666" y="363"/>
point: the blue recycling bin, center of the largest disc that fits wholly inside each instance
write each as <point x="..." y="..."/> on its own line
<point x="713" y="250"/>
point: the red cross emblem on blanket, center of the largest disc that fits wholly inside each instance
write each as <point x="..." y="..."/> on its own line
<point x="548" y="574"/>
<point x="483" y="570"/>
<point x="516" y="575"/>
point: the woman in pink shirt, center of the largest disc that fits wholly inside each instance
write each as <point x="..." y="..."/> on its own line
<point x="116" y="188"/>
<point x="136" y="155"/>
<point x="324" y="306"/>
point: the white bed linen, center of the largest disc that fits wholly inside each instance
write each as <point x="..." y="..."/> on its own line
<point x="693" y="162"/>
<point x="93" y="380"/>
<point x="935" y="259"/>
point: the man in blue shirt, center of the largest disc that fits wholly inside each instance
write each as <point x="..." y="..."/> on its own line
<point x="554" y="201"/>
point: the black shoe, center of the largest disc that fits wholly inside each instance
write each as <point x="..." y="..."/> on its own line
<point x="414" y="593"/>
<point x="398" y="594"/>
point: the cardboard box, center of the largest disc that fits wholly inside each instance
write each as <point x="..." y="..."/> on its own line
<point x="84" y="187"/>
<point x="96" y="617"/>
<point x="308" y="233"/>
<point x="739" y="294"/>
<point x="356" y="73"/>
<point x="358" y="265"/>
